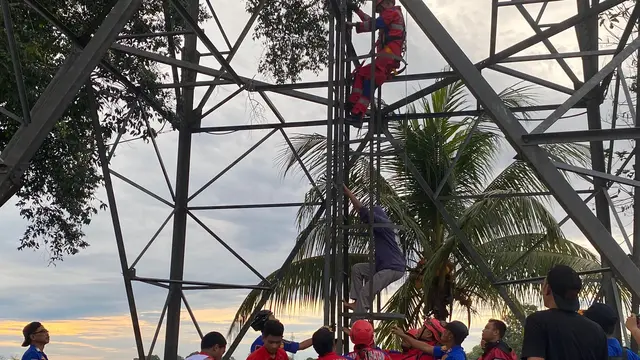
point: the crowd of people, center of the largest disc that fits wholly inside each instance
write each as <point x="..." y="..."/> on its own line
<point x="561" y="332"/>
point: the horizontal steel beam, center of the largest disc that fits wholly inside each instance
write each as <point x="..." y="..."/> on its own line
<point x="213" y="72"/>
<point x="209" y="285"/>
<point x="251" y="206"/>
<point x="597" y="174"/>
<point x="582" y="136"/>
<point x="541" y="278"/>
<point x="568" y="55"/>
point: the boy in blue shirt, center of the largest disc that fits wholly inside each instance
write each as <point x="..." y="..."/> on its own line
<point x="603" y="315"/>
<point x="35" y="337"/>
<point x="289" y="346"/>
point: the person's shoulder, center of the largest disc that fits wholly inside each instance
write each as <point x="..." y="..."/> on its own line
<point x="32" y="354"/>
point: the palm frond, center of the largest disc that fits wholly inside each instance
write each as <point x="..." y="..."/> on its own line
<point x="300" y="288"/>
<point x="490" y="218"/>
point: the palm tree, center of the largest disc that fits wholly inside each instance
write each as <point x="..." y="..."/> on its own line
<point x="501" y="228"/>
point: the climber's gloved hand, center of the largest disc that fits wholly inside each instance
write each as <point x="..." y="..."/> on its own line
<point x="351" y="6"/>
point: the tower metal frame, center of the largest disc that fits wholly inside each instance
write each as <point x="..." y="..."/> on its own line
<point x="38" y="120"/>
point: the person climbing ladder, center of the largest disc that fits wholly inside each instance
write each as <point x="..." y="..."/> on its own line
<point x="389" y="48"/>
<point x="390" y="262"/>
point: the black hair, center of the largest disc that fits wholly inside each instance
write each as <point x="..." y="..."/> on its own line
<point x="459" y="330"/>
<point x="211" y="339"/>
<point x="273" y="328"/>
<point x="500" y="326"/>
<point x="323" y="341"/>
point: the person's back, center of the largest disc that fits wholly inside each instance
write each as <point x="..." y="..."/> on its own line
<point x="368" y="353"/>
<point x="561" y="332"/>
<point x="557" y="334"/>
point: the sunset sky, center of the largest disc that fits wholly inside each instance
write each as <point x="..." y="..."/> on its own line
<point x="82" y="300"/>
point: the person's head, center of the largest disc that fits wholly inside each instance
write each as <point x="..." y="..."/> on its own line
<point x="361" y="333"/>
<point x="323" y="341"/>
<point x="35" y="334"/>
<point x="603" y="315"/>
<point x="261" y="317"/>
<point x="560" y="289"/>
<point x="494" y="330"/>
<point x="384" y="4"/>
<point x="431" y="331"/>
<point x="454" y="334"/>
<point x="272" y="333"/>
<point x="414" y="333"/>
<point x="214" y="345"/>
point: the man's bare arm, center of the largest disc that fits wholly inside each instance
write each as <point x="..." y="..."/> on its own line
<point x="354" y="200"/>
<point x="416" y="344"/>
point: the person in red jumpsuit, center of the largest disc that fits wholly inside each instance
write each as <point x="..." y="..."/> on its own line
<point x="494" y="348"/>
<point x="389" y="47"/>
<point x="431" y="331"/>
<point x="361" y="335"/>
<point x="408" y="352"/>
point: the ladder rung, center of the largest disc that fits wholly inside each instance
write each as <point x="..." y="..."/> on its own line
<point x="376" y="316"/>
<point x="374" y="225"/>
<point x="375" y="153"/>
<point x="360" y="140"/>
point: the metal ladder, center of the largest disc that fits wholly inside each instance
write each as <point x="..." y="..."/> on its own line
<point x="339" y="160"/>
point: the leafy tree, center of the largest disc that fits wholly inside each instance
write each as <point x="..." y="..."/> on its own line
<point x="515" y="330"/>
<point x="58" y="194"/>
<point x="295" y="34"/>
<point x="501" y="228"/>
<point x="475" y="353"/>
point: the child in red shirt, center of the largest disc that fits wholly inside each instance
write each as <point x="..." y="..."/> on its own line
<point x="272" y="337"/>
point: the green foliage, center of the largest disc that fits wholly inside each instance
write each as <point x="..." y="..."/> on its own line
<point x="475" y="353"/>
<point x="514" y="335"/>
<point x="502" y="229"/>
<point x="295" y="34"/>
<point x="515" y="330"/>
<point x="58" y="196"/>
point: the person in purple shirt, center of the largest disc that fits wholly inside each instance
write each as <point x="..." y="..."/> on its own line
<point x="390" y="262"/>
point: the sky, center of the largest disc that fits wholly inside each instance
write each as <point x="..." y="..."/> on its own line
<point x="82" y="300"/>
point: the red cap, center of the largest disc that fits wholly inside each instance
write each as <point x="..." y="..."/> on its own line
<point x="435" y="327"/>
<point x="362" y="333"/>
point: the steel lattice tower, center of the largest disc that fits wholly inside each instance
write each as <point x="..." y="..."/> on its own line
<point x="39" y="119"/>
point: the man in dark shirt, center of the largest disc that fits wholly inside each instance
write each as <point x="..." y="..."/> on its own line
<point x="560" y="332"/>
<point x="390" y="262"/>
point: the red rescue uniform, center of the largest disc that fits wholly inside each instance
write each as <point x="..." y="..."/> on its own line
<point x="263" y="354"/>
<point x="412" y="354"/>
<point x="391" y="38"/>
<point x="368" y="354"/>
<point x="498" y="351"/>
<point x="331" y="356"/>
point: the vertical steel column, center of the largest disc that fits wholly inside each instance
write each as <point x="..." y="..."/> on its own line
<point x="115" y="218"/>
<point x="372" y="149"/>
<point x="345" y="264"/>
<point x="587" y="34"/>
<point x="345" y="202"/>
<point x="190" y="54"/>
<point x="341" y="217"/>
<point x="329" y="178"/>
<point x="635" y="251"/>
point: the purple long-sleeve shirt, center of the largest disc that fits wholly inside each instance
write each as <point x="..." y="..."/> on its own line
<point x="388" y="254"/>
